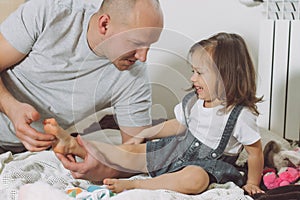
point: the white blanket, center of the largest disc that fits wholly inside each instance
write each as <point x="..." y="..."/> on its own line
<point x="41" y="176"/>
<point x="29" y="176"/>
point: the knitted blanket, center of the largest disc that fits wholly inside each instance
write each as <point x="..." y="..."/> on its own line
<point x="41" y="176"/>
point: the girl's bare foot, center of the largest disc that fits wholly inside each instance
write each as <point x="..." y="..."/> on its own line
<point x="119" y="185"/>
<point x="65" y="144"/>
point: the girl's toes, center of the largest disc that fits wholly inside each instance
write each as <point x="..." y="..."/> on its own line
<point x="51" y="121"/>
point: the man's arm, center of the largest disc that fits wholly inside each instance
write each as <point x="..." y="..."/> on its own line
<point x="21" y="114"/>
<point x="8" y="54"/>
<point x="8" y="57"/>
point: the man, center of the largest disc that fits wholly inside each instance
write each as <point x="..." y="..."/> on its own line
<point x="65" y="59"/>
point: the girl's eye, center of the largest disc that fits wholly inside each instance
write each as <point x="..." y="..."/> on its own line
<point x="199" y="73"/>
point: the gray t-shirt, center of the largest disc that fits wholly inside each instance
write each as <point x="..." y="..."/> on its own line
<point x="61" y="77"/>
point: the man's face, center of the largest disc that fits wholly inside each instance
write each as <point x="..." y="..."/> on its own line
<point x="125" y="48"/>
<point x="129" y="40"/>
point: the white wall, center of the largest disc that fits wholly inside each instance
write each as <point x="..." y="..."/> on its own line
<point x="188" y="21"/>
<point x="8" y="6"/>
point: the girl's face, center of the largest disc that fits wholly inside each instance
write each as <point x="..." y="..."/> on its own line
<point x="204" y="78"/>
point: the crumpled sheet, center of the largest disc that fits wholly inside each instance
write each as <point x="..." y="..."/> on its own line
<point x="27" y="168"/>
<point x="228" y="191"/>
<point x="42" y="176"/>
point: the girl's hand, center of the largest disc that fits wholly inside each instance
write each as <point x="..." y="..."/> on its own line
<point x="252" y="189"/>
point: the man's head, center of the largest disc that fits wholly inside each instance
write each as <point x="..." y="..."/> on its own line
<point x="125" y="30"/>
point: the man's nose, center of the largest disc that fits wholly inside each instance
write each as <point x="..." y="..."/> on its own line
<point x="141" y="54"/>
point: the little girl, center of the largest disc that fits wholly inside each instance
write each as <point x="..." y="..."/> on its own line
<point x="213" y="124"/>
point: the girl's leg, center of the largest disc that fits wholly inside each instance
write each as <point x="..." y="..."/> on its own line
<point x="189" y="180"/>
<point x="127" y="158"/>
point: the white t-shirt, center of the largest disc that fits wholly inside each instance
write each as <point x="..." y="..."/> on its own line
<point x="61" y="76"/>
<point x="207" y="125"/>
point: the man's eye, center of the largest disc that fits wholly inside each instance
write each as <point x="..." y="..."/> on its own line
<point x="139" y="44"/>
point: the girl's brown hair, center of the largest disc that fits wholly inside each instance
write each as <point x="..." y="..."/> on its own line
<point x="230" y="55"/>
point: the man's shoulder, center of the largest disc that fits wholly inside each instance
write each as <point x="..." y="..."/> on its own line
<point x="62" y="5"/>
<point x="74" y="4"/>
<point x="139" y="69"/>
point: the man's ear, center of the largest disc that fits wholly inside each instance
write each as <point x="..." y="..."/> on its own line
<point x="103" y="23"/>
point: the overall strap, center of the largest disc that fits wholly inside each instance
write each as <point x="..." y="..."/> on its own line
<point x="227" y="132"/>
<point x="187" y="103"/>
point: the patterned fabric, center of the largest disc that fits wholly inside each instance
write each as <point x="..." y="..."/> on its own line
<point x="26" y="168"/>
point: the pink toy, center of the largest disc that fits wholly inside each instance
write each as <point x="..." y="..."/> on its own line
<point x="286" y="177"/>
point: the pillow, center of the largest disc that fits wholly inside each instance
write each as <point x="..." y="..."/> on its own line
<point x="266" y="137"/>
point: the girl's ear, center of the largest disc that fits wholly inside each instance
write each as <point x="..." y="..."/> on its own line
<point x="103" y="23"/>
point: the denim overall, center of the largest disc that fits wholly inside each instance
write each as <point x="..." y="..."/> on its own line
<point x="173" y="153"/>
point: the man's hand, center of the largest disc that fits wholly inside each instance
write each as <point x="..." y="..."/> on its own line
<point x="22" y="115"/>
<point x="89" y="169"/>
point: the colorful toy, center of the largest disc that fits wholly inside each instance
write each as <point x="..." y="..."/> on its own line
<point x="91" y="192"/>
<point x="285" y="177"/>
<point x="72" y="192"/>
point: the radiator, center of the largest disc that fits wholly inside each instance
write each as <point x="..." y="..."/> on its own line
<point x="279" y="71"/>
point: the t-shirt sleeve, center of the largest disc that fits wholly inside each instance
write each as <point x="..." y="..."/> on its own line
<point x="246" y="130"/>
<point x="22" y="27"/>
<point x="179" y="115"/>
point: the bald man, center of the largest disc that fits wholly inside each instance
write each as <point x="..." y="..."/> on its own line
<point x="67" y="59"/>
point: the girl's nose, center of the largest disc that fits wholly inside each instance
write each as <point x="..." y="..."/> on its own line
<point x="193" y="77"/>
